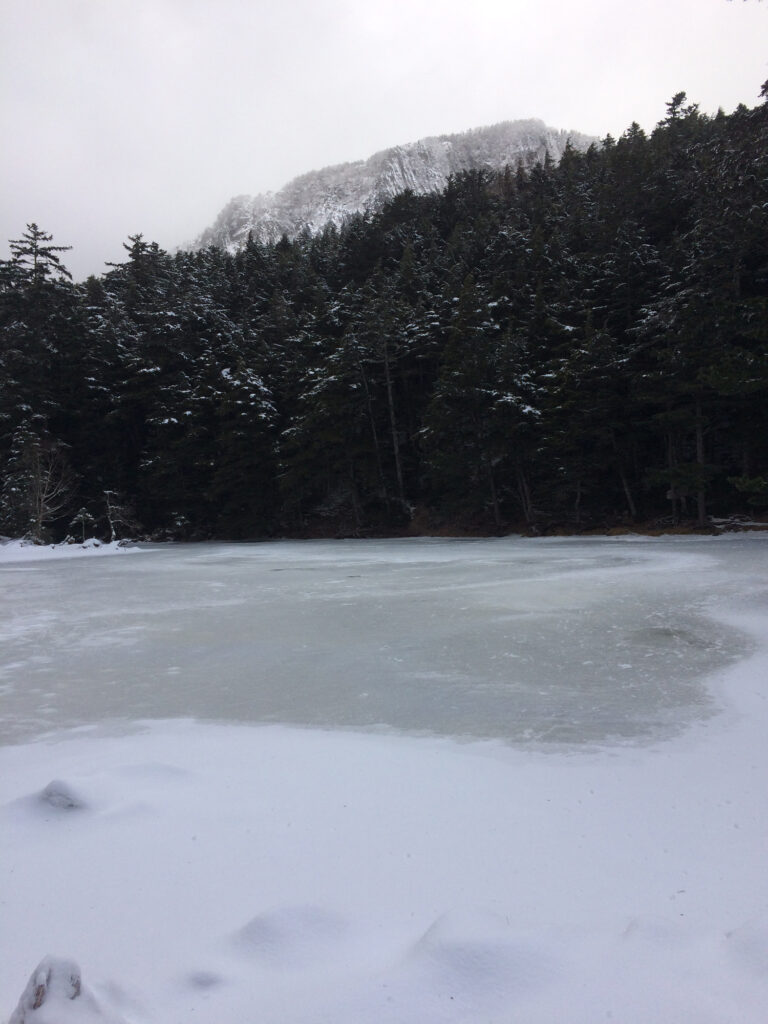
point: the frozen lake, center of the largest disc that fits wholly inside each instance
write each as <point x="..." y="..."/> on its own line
<point x="554" y="641"/>
<point x="598" y="854"/>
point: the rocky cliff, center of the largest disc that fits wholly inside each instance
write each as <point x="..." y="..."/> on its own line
<point x="333" y="194"/>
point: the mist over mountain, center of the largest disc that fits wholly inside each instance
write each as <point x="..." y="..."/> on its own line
<point x="333" y="194"/>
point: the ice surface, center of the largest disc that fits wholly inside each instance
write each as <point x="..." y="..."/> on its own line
<point x="560" y="642"/>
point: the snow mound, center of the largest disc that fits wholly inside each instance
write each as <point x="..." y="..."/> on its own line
<point x="55" y="994"/>
<point x="291" y="936"/>
<point x="62" y="796"/>
<point x="479" y="952"/>
<point x="478" y="960"/>
<point x="469" y="965"/>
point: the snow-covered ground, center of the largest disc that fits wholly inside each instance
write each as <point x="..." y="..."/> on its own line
<point x="26" y="551"/>
<point x="533" y="790"/>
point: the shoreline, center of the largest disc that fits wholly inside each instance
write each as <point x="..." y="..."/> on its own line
<point x="21" y="549"/>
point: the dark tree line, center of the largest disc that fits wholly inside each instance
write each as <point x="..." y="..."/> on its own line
<point x="577" y="345"/>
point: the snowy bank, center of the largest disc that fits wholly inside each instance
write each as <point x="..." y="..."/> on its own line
<point x="26" y="551"/>
<point x="233" y="873"/>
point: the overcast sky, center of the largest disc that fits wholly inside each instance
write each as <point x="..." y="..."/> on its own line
<point x="126" y="116"/>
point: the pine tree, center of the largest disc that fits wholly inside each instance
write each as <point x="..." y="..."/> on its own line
<point x="38" y="259"/>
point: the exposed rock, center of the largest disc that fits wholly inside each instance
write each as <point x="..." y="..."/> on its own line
<point x="55" y="994"/>
<point x="62" y="796"/>
<point x="51" y="981"/>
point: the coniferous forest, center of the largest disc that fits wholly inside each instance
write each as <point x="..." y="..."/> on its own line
<point x="571" y="347"/>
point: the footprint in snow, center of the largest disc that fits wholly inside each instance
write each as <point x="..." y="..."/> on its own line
<point x="204" y="979"/>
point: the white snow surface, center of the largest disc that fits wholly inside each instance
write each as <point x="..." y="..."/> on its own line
<point x="25" y="551"/>
<point x="214" y="871"/>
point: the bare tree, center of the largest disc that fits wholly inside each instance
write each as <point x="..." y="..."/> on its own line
<point x="51" y="485"/>
<point x="39" y="485"/>
<point x="120" y="516"/>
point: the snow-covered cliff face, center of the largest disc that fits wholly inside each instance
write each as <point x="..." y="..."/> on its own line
<point x="331" y="195"/>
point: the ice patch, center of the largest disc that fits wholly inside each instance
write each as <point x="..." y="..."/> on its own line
<point x="509" y="639"/>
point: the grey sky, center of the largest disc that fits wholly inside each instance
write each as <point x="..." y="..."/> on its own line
<point x="125" y="116"/>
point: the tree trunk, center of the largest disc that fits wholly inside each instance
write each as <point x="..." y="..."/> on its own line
<point x="355" y="501"/>
<point x="673" y="495"/>
<point x="393" y="426"/>
<point x="701" y="497"/>
<point x="627" y="493"/>
<point x="494" y="492"/>
<point x="623" y="477"/>
<point x="525" y="495"/>
<point x="374" y="434"/>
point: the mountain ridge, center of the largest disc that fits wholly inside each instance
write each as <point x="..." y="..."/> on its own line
<point x="333" y="194"/>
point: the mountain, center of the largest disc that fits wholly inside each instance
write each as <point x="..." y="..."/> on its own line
<point x="333" y="194"/>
